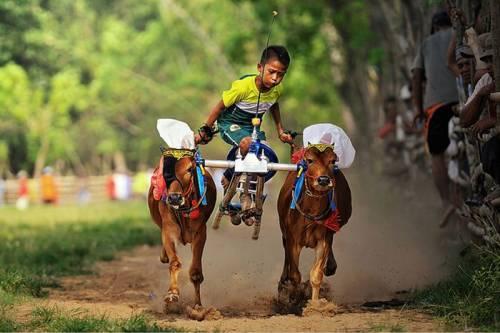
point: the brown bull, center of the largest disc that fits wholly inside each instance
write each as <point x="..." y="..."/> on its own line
<point x="304" y="226"/>
<point x="181" y="217"/>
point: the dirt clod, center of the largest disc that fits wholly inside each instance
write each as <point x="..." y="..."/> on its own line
<point x="200" y="313"/>
<point x="320" y="307"/>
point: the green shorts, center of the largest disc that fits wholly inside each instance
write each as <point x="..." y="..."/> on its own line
<point x="233" y="133"/>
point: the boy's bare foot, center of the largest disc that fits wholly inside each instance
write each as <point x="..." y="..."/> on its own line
<point x="250" y="220"/>
<point x="225" y="183"/>
<point x="246" y="201"/>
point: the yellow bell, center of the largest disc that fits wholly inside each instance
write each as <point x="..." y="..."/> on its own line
<point x="255" y="121"/>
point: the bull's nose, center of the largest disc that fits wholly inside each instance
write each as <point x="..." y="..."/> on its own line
<point x="324" y="180"/>
<point x="175" y="198"/>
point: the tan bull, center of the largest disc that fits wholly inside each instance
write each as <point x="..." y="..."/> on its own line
<point x="313" y="222"/>
<point x="182" y="217"/>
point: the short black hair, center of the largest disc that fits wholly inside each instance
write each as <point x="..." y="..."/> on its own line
<point x="390" y="99"/>
<point x="275" y="51"/>
<point x="440" y="19"/>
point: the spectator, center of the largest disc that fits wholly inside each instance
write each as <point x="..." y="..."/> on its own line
<point x="111" y="188"/>
<point x="464" y="58"/>
<point x="140" y="183"/>
<point x="2" y="191"/>
<point x="83" y="195"/>
<point x="436" y="104"/>
<point x="475" y="112"/>
<point x="123" y="186"/>
<point x="22" y="201"/>
<point x="48" y="187"/>
<point x="393" y="135"/>
<point x="388" y="132"/>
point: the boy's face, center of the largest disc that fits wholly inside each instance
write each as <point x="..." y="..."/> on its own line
<point x="464" y="67"/>
<point x="391" y="111"/>
<point x="274" y="72"/>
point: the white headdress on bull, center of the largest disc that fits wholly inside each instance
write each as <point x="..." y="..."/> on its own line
<point x="176" y="134"/>
<point x="329" y="134"/>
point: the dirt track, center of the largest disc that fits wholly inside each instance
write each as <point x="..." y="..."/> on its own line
<point x="135" y="284"/>
<point x="381" y="251"/>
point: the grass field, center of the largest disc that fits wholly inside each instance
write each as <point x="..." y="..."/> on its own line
<point x="43" y="243"/>
<point x="470" y="298"/>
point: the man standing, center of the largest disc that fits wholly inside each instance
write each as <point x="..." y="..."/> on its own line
<point x="440" y="95"/>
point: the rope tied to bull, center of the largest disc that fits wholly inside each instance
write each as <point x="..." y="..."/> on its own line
<point x="199" y="173"/>
<point x="330" y="216"/>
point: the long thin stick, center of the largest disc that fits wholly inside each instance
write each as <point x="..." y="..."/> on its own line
<point x="254" y="134"/>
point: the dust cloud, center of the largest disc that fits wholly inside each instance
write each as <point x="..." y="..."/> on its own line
<point x="391" y="243"/>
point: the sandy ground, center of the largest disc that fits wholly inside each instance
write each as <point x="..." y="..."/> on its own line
<point x="391" y="244"/>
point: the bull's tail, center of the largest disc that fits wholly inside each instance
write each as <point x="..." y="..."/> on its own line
<point x="154" y="209"/>
<point x="331" y="263"/>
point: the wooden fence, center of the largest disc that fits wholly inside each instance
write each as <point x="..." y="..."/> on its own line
<point x="69" y="189"/>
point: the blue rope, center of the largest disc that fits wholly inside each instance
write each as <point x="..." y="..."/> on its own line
<point x="299" y="182"/>
<point x="200" y="177"/>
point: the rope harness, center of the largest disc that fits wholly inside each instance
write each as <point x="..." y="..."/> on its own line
<point x="171" y="157"/>
<point x="328" y="217"/>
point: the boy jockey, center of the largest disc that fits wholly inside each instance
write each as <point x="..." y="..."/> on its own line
<point x="238" y="106"/>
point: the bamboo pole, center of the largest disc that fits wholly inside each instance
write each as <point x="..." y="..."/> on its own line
<point x="495" y="34"/>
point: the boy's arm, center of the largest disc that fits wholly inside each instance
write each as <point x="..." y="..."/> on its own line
<point x="215" y="113"/>
<point x="472" y="109"/>
<point x="418" y="93"/>
<point x="202" y="136"/>
<point x="275" y="112"/>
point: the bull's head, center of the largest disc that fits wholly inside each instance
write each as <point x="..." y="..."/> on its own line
<point x="320" y="159"/>
<point x="179" y="172"/>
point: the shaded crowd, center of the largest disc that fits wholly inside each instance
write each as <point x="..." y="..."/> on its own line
<point x="449" y="118"/>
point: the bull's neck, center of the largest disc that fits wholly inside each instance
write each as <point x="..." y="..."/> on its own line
<point x="314" y="204"/>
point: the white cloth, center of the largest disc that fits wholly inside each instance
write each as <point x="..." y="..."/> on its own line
<point x="175" y="133"/>
<point x="331" y="134"/>
<point x="483" y="81"/>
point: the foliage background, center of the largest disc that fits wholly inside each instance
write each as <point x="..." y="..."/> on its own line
<point x="82" y="82"/>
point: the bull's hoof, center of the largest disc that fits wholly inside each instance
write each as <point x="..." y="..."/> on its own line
<point x="330" y="268"/>
<point x="284" y="284"/>
<point x="290" y="299"/>
<point x="163" y="256"/>
<point x="172" y="297"/>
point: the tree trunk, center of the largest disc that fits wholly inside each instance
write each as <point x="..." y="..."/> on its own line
<point x="41" y="156"/>
<point x="120" y="162"/>
<point x="495" y="33"/>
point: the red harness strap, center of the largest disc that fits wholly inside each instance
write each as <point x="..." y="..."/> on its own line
<point x="332" y="221"/>
<point x="158" y="182"/>
<point x="298" y="155"/>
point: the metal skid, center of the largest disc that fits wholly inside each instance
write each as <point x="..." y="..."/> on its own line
<point x="248" y="179"/>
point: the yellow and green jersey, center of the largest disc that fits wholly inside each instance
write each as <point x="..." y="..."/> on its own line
<point x="235" y="122"/>
<point x="241" y="101"/>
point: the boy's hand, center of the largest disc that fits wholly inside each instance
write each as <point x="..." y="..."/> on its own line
<point x="487" y="89"/>
<point x="286" y="137"/>
<point x="197" y="139"/>
<point x="483" y="125"/>
<point x="205" y="135"/>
